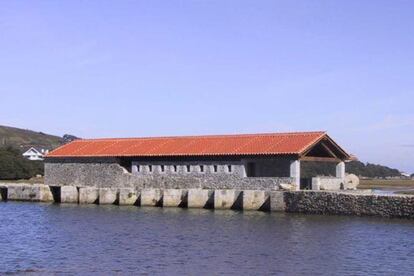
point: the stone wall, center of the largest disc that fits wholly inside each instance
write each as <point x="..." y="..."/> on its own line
<point x="349" y="203"/>
<point x="95" y="174"/>
<point x="108" y="173"/>
<point x="192" y="169"/>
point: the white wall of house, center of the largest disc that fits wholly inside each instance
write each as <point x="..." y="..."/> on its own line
<point x="34" y="155"/>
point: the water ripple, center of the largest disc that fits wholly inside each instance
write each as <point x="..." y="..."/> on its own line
<point x="98" y="240"/>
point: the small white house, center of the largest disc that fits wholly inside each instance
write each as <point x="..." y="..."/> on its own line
<point x="33" y="154"/>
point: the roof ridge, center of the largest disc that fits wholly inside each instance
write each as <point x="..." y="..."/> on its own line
<point x="210" y="136"/>
<point x="210" y="145"/>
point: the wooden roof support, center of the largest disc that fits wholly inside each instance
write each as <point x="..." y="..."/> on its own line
<point x="320" y="159"/>
<point x="329" y="150"/>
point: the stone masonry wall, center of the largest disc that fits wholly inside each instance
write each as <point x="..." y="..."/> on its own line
<point x="111" y="174"/>
<point x="192" y="169"/>
<point x="343" y="203"/>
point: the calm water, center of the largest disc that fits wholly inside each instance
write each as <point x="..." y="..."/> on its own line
<point x="71" y="239"/>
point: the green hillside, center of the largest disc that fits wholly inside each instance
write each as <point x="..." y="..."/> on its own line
<point x="23" y="139"/>
<point x="13" y="166"/>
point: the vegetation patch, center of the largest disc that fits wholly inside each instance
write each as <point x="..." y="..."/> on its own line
<point x="312" y="169"/>
<point x="14" y="166"/>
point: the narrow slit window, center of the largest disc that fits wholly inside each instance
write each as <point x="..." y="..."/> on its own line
<point x="188" y="168"/>
<point x="229" y="168"/>
<point x="215" y="168"/>
<point x="175" y="168"/>
<point x="150" y="168"/>
<point x="162" y="168"/>
<point x="138" y="168"/>
<point x="201" y="168"/>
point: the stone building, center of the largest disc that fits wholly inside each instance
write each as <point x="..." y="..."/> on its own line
<point x="253" y="161"/>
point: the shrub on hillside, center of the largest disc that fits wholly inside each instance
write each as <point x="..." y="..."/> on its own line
<point x="14" y="166"/>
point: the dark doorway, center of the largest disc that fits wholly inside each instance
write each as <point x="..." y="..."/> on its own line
<point x="3" y="193"/>
<point x="306" y="183"/>
<point x="251" y="169"/>
<point x="56" y="193"/>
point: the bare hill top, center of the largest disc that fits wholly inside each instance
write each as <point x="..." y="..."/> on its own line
<point x="24" y="139"/>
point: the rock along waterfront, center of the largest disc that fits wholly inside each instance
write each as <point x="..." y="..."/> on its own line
<point x="357" y="203"/>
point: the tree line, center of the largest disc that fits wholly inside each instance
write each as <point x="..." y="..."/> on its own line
<point x="312" y="169"/>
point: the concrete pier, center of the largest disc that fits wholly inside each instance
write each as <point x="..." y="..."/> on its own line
<point x="198" y="198"/>
<point x="88" y="195"/>
<point x="255" y="200"/>
<point x="174" y="198"/>
<point x="360" y="202"/>
<point x="150" y="197"/>
<point x="29" y="192"/>
<point x="128" y="196"/>
<point x="227" y="199"/>
<point x="69" y="194"/>
<point x="108" y="195"/>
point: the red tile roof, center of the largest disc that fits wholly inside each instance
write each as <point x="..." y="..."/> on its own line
<point x="249" y="144"/>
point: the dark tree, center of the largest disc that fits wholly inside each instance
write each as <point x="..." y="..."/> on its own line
<point x="14" y="166"/>
<point x="67" y="138"/>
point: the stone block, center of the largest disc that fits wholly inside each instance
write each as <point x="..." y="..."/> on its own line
<point x="254" y="200"/>
<point x="174" y="198"/>
<point x="277" y="201"/>
<point x="227" y="199"/>
<point x="199" y="198"/>
<point x="69" y="194"/>
<point x="29" y="192"/>
<point x="128" y="196"/>
<point x="150" y="197"/>
<point x="327" y="183"/>
<point x="45" y="194"/>
<point x="88" y="195"/>
<point x="108" y="195"/>
<point x="316" y="183"/>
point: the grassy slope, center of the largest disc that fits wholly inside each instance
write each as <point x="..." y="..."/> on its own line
<point x="23" y="139"/>
<point x="399" y="186"/>
<point x="378" y="183"/>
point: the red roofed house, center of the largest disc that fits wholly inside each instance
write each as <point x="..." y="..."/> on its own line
<point x="254" y="161"/>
